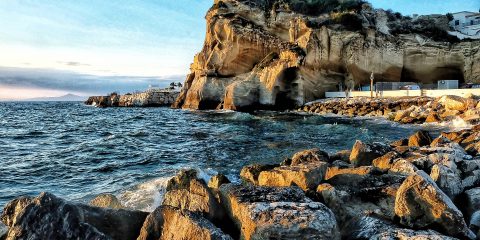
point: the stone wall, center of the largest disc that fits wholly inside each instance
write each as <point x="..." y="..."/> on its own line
<point x="144" y="99"/>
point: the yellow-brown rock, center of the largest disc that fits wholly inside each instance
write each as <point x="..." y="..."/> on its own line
<point x="306" y="176"/>
<point x="420" y="203"/>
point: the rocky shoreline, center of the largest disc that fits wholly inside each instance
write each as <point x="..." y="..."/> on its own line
<point x="143" y="99"/>
<point x="404" y="110"/>
<point x="416" y="188"/>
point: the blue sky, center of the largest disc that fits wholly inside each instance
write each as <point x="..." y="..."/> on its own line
<point x="136" y="38"/>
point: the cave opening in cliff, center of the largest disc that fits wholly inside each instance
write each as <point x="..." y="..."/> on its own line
<point x="286" y="91"/>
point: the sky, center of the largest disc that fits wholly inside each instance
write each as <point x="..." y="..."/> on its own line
<point x="51" y="47"/>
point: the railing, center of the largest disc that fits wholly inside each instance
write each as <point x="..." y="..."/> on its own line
<point x="407" y="93"/>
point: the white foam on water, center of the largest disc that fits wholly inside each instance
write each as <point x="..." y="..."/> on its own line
<point x="455" y="125"/>
<point x="146" y="196"/>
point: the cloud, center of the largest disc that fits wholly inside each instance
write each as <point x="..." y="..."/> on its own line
<point x="80" y="83"/>
<point x="74" y="64"/>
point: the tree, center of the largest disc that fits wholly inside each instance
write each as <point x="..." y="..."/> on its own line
<point x="172" y="84"/>
<point x="179" y="84"/>
<point x="450" y="17"/>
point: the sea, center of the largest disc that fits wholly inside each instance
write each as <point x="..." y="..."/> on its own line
<point x="76" y="151"/>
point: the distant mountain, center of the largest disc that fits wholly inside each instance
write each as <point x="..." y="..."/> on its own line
<point x="64" y="98"/>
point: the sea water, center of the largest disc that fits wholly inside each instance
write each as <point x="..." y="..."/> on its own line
<point x="76" y="151"/>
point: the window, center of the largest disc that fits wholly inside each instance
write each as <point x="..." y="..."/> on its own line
<point x="457" y="22"/>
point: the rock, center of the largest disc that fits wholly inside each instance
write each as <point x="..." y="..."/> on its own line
<point x="447" y="179"/>
<point x="454" y="102"/>
<point x="49" y="217"/>
<point x="472" y="201"/>
<point x="278" y="213"/>
<point x="3" y="231"/>
<point x="186" y="192"/>
<point x="420" y="139"/>
<point x="306" y="176"/>
<point x="402" y="166"/>
<point x="309" y="156"/>
<point x="217" y="181"/>
<point x="373" y="228"/>
<point x="106" y="200"/>
<point x="172" y="223"/>
<point x="420" y="203"/>
<point x="363" y="154"/>
<point x="250" y="173"/>
<point x="334" y="171"/>
<point x="385" y="162"/>
<point x="433" y="118"/>
<point x="399" y="143"/>
<point x="343" y="155"/>
<point x="352" y="196"/>
<point x="475" y="223"/>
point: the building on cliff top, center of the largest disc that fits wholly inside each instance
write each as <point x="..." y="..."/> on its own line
<point x="467" y="23"/>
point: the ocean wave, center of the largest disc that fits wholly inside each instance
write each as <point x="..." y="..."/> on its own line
<point x="146" y="196"/>
<point x="455" y="125"/>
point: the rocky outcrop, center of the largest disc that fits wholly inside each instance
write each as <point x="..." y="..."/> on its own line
<point x="403" y="110"/>
<point x="49" y="217"/>
<point x="150" y="98"/>
<point x="271" y="54"/>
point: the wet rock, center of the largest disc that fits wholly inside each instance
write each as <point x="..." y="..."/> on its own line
<point x="420" y="139"/>
<point x="433" y="118"/>
<point x="187" y="192"/>
<point x="309" y="156"/>
<point x="399" y="143"/>
<point x="106" y="200"/>
<point x="168" y="222"/>
<point x="217" y="180"/>
<point x="278" y="213"/>
<point x="250" y="173"/>
<point x="306" y="176"/>
<point x="420" y="203"/>
<point x="475" y="223"/>
<point x="363" y="154"/>
<point x="49" y="217"/>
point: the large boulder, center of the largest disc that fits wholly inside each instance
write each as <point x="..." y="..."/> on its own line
<point x="49" y="217"/>
<point x="472" y="204"/>
<point x="363" y="153"/>
<point x="452" y="102"/>
<point x="420" y="139"/>
<point x="306" y="176"/>
<point x="277" y="213"/>
<point x="217" y="181"/>
<point x="421" y="204"/>
<point x="175" y="224"/>
<point x="106" y="200"/>
<point x="187" y="192"/>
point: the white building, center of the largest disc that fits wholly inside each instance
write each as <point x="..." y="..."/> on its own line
<point x="467" y="23"/>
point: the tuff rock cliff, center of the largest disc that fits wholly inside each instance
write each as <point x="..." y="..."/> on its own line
<point x="272" y="54"/>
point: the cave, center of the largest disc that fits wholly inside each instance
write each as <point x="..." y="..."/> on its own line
<point x="286" y="91"/>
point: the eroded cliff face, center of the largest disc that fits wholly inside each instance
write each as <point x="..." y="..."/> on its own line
<point x="258" y="56"/>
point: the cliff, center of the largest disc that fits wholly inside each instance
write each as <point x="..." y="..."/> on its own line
<point x="281" y="54"/>
<point x="143" y="99"/>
